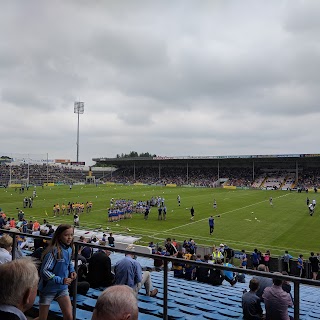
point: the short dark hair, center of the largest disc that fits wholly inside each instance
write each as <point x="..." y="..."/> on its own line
<point x="254" y="284"/>
<point x="277" y="282"/>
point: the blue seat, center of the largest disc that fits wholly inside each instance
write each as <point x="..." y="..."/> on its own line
<point x="93" y="293"/>
<point x="83" y="314"/>
<point x="148" y="299"/>
<point x="174" y="314"/>
<point x="90" y="303"/>
<point x="145" y="307"/>
<point x="229" y="313"/>
<point x="190" y="310"/>
<point x="143" y="316"/>
<point x="184" y="302"/>
<point x="206" y="307"/>
<point x="213" y="316"/>
<point x="171" y="304"/>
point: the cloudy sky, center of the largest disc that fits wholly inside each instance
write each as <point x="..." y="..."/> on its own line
<point x="169" y="77"/>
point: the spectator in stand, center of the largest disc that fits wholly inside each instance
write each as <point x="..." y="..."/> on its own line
<point x="202" y="273"/>
<point x="36" y="226"/>
<point x="178" y="267"/>
<point x="266" y="260"/>
<point x="99" y="273"/>
<point x="251" y="304"/>
<point x="170" y="248"/>
<point x="153" y="247"/>
<point x="300" y="266"/>
<point x="5" y="248"/>
<point x="128" y="271"/>
<point x="85" y="251"/>
<point x="190" y="270"/>
<point x="158" y="263"/>
<point x="18" y="288"/>
<point x="57" y="273"/>
<point x="216" y="255"/>
<point x="2" y="221"/>
<point x="229" y="276"/>
<point x="216" y="276"/>
<point x="243" y="259"/>
<point x="264" y="282"/>
<point x="277" y="301"/>
<point x="111" y="240"/>
<point x="314" y="265"/>
<point x="255" y="259"/>
<point x="116" y="303"/>
<point x="286" y="286"/>
<point x="286" y="261"/>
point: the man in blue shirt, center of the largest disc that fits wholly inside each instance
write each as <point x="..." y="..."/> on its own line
<point x="128" y="272"/>
<point x="211" y="224"/>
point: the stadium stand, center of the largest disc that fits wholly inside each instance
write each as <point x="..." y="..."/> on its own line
<point x="190" y="299"/>
<point x="198" y="176"/>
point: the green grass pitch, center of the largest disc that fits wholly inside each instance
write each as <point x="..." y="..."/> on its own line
<point x="246" y="221"/>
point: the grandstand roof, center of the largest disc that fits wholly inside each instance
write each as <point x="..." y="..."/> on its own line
<point x="236" y="160"/>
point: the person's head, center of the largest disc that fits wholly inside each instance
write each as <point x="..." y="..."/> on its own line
<point x="6" y="242"/>
<point x="180" y="255"/>
<point x="116" y="303"/>
<point x="254" y="284"/>
<point x="277" y="282"/>
<point x="159" y="249"/>
<point x="255" y="250"/>
<point x="63" y="235"/>
<point x="261" y="267"/>
<point x="286" y="252"/>
<point x="131" y="248"/>
<point x="300" y="255"/>
<point x="168" y="240"/>
<point x="312" y="254"/>
<point x="243" y="251"/>
<point x="19" y="282"/>
<point x="206" y="257"/>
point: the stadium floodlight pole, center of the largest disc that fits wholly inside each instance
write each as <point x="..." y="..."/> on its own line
<point x="79" y="109"/>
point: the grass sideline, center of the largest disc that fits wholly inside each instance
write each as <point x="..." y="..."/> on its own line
<point x="246" y="221"/>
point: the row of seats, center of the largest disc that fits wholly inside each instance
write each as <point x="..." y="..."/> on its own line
<point x="190" y="300"/>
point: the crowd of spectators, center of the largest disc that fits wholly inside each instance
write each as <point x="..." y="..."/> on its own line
<point x="38" y="174"/>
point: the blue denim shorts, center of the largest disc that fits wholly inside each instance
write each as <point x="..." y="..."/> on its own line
<point x="48" y="297"/>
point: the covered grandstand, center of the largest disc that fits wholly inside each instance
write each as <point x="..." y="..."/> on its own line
<point x="280" y="171"/>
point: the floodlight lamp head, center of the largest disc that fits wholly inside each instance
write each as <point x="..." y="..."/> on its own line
<point x="79" y="107"/>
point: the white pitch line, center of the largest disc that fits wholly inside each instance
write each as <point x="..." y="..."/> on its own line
<point x="221" y="214"/>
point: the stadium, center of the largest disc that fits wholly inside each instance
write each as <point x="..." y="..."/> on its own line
<point x="240" y="186"/>
<point x="191" y="192"/>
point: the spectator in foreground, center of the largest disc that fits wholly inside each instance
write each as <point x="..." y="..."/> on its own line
<point x="99" y="274"/>
<point x="116" y="303"/>
<point x="314" y="265"/>
<point x="5" y="248"/>
<point x="251" y="304"/>
<point x="264" y="282"/>
<point x="277" y="301"/>
<point x="18" y="288"/>
<point x="57" y="273"/>
<point x="128" y="271"/>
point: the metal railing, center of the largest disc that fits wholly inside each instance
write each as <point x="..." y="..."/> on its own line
<point x="166" y="259"/>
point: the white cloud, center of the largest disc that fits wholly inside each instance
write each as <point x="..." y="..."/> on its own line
<point x="170" y="77"/>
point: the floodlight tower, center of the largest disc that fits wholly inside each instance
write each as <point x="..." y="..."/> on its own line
<point x="79" y="109"/>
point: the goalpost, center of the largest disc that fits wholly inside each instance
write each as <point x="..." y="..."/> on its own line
<point x="20" y="167"/>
